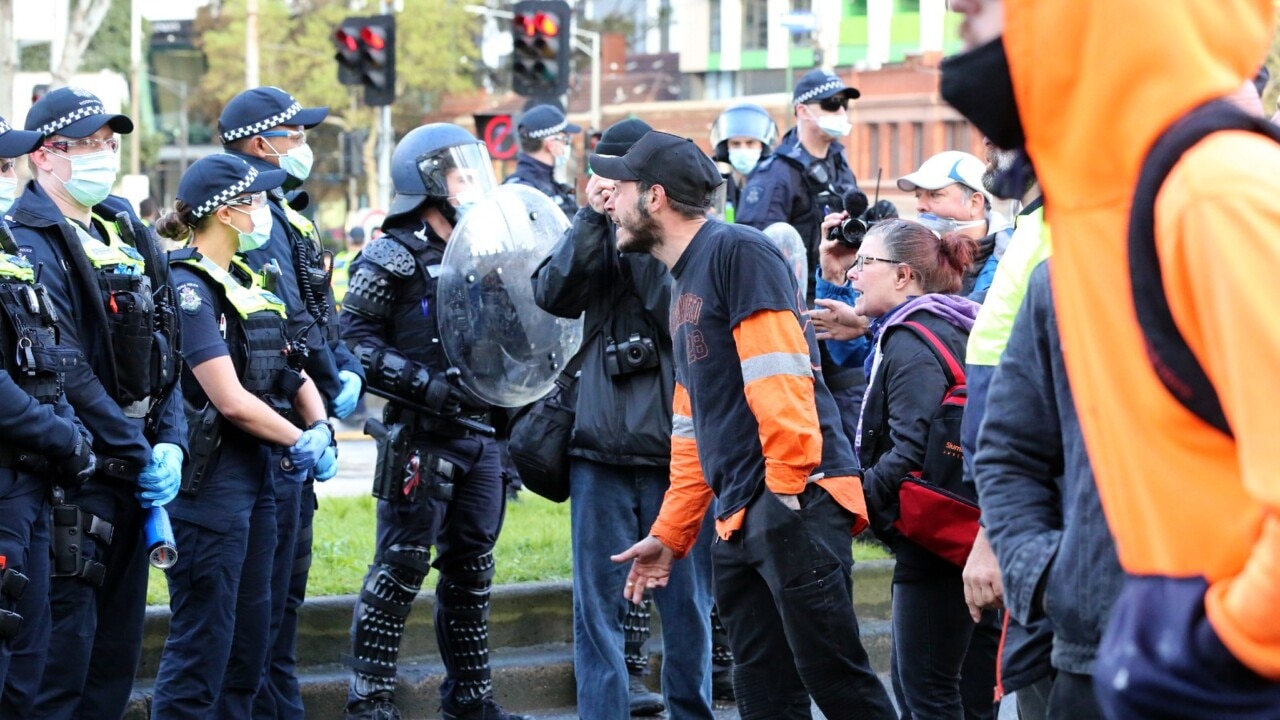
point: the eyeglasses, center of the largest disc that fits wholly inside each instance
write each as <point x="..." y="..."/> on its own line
<point x="834" y="103"/>
<point x="299" y="135"/>
<point x="112" y="143"/>
<point x="256" y="200"/>
<point x="7" y="164"/>
<point x="861" y="260"/>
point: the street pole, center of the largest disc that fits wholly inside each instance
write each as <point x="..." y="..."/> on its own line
<point x="594" y="51"/>
<point x="385" y="144"/>
<point x="8" y="58"/>
<point x="251" y="45"/>
<point x="135" y="89"/>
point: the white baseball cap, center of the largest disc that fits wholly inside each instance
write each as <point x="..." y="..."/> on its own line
<point x="943" y="169"/>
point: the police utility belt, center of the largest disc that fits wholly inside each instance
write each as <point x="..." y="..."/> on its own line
<point x="264" y="361"/>
<point x="403" y="471"/>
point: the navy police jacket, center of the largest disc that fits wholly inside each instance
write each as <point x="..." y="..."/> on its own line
<point x="46" y="238"/>
<point x="540" y="176"/>
<point x="326" y="356"/>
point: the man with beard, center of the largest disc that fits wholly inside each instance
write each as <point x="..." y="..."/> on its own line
<point x="756" y="428"/>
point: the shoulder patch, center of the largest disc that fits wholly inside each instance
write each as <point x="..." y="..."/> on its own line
<point x="189" y="298"/>
<point x="386" y="253"/>
<point x="753" y="195"/>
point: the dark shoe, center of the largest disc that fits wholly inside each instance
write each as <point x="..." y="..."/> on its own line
<point x="378" y="707"/>
<point x="722" y="682"/>
<point x="643" y="700"/>
<point x="487" y="710"/>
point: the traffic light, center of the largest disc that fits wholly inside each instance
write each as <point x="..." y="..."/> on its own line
<point x="378" y="43"/>
<point x="366" y="54"/>
<point x="346" y="43"/>
<point x="541" y="47"/>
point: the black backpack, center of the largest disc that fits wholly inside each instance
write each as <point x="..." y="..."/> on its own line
<point x="1173" y="361"/>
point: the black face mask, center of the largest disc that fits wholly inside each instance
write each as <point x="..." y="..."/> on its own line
<point x="978" y="85"/>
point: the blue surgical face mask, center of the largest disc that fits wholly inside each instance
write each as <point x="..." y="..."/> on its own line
<point x="92" y="176"/>
<point x="464" y="201"/>
<point x="8" y="191"/>
<point x="744" y="159"/>
<point x="943" y="225"/>
<point x="261" y="232"/>
<point x="297" y="162"/>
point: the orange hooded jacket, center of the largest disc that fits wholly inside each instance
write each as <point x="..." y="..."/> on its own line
<point x="1097" y="81"/>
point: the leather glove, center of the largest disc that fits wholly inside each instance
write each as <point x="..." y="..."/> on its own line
<point x="307" y="450"/>
<point x="160" y="479"/>
<point x="75" y="469"/>
<point x="442" y="397"/>
<point x="345" y="403"/>
<point x="327" y="465"/>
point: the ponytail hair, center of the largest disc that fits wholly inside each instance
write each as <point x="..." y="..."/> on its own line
<point x="939" y="262"/>
<point x="177" y="224"/>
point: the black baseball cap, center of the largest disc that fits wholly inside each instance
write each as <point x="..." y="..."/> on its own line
<point x="16" y="143"/>
<point x="618" y="138"/>
<point x="674" y="162"/>
<point x="260" y="109"/>
<point x="819" y="85"/>
<point x="73" y="112"/>
<point x="214" y="179"/>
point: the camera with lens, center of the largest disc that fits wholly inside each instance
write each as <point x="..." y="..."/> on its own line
<point x="849" y="232"/>
<point x="634" y="355"/>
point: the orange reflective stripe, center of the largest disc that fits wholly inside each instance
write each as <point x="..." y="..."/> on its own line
<point x="781" y="397"/>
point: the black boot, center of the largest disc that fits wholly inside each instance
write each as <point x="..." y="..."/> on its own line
<point x="376" y="707"/>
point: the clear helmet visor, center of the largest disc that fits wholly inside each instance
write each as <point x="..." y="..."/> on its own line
<point x="461" y="171"/>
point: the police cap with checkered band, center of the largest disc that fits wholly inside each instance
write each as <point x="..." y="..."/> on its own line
<point x="214" y="179"/>
<point x="819" y="85"/>
<point x="16" y="143"/>
<point x="73" y="112"/>
<point x="260" y="109"/>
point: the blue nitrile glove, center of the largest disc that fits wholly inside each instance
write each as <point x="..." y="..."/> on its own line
<point x="160" y="479"/>
<point x="345" y="403"/>
<point x="327" y="465"/>
<point x="307" y="451"/>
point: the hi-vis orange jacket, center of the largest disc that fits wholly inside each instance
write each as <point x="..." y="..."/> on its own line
<point x="1097" y="81"/>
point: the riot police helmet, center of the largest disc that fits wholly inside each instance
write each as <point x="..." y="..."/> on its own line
<point x="438" y="162"/>
<point x="743" y="120"/>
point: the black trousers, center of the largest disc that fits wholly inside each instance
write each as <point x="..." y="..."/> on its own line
<point x="784" y="587"/>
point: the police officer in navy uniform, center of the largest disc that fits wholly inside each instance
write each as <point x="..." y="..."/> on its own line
<point x="115" y="310"/>
<point x="439" y="483"/>
<point x="806" y="177"/>
<point x="41" y="442"/>
<point x="246" y="392"/>
<point x="267" y="127"/>
<point x="546" y="139"/>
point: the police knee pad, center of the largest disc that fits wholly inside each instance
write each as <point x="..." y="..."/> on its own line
<point x="467" y="583"/>
<point x="385" y="602"/>
<point x="408" y="564"/>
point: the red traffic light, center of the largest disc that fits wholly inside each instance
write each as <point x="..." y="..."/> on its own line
<point x="346" y="40"/>
<point x="373" y="37"/>
<point x="536" y="24"/>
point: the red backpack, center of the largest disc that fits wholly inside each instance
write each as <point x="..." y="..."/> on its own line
<point x="937" y="510"/>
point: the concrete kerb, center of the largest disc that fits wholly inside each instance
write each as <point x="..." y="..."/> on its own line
<point x="531" y="634"/>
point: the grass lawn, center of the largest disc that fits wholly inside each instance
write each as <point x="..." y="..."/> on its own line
<point x="534" y="545"/>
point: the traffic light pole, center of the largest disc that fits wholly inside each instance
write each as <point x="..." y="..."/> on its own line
<point x="385" y="139"/>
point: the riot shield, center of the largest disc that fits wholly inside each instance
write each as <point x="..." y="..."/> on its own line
<point x="509" y="351"/>
<point x="788" y="241"/>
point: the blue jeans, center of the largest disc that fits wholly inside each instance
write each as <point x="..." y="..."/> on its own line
<point x="613" y="506"/>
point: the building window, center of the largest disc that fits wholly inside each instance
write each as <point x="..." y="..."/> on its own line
<point x="894" y="152"/>
<point x="802" y="5"/>
<point x="715" y="25"/>
<point x="873" y="148"/>
<point x="755" y="24"/>
<point x="917" y="144"/>
<point x="956" y="135"/>
<point x="906" y="6"/>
